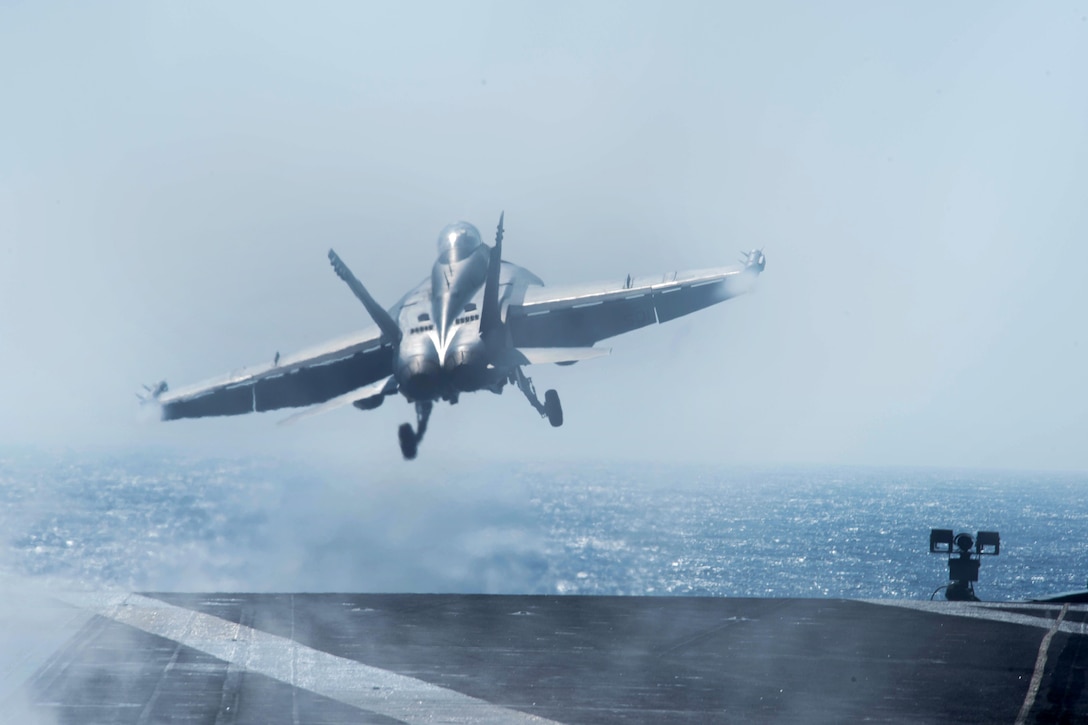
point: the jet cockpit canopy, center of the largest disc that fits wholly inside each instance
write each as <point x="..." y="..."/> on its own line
<point x="457" y="241"/>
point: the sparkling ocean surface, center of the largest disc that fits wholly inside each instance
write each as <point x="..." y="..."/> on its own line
<point x="144" y="522"/>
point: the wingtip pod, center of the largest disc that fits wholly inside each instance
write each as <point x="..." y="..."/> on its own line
<point x="754" y="260"/>
<point x="151" y="393"/>
<point x="150" y="405"/>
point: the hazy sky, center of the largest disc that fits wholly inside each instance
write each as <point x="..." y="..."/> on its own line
<point x="171" y="176"/>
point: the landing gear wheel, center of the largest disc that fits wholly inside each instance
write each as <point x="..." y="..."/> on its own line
<point x="550" y="407"/>
<point x="553" y="409"/>
<point x="409" y="438"/>
<point x="409" y="444"/>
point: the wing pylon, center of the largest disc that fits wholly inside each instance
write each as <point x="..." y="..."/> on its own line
<point x="387" y="386"/>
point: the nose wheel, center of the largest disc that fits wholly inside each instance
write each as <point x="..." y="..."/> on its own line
<point x="550" y="408"/>
<point x="409" y="437"/>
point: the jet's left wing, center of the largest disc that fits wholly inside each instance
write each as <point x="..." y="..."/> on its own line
<point x="581" y="316"/>
<point x="311" y="376"/>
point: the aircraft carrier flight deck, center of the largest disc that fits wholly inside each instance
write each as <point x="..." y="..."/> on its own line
<point x="412" y="658"/>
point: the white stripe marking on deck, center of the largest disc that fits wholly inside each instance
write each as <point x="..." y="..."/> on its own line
<point x="990" y="611"/>
<point x="1040" y="665"/>
<point x="352" y="683"/>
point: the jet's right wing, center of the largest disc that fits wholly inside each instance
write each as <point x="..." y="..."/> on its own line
<point x="311" y="376"/>
<point x="581" y="316"/>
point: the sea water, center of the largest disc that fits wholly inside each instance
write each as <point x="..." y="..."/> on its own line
<point x="137" y="521"/>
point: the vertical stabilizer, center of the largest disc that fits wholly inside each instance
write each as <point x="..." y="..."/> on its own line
<point x="491" y="316"/>
<point x="389" y="327"/>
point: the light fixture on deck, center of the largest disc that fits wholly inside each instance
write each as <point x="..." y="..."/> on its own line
<point x="964" y="556"/>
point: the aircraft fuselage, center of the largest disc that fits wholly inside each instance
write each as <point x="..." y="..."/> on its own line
<point x="442" y="353"/>
<point x="472" y="324"/>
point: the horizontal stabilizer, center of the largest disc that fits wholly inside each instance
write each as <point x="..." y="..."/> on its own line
<point x="386" y="386"/>
<point x="559" y="355"/>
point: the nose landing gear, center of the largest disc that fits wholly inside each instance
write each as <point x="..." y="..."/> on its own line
<point x="410" y="439"/>
<point x="550" y="408"/>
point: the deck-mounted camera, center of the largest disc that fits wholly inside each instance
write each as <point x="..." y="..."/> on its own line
<point x="964" y="556"/>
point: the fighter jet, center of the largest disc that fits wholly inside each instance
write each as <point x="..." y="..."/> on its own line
<point x="473" y="325"/>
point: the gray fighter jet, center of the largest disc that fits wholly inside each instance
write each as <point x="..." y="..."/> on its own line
<point x="473" y="325"/>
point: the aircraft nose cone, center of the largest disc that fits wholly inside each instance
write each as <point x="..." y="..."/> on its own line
<point x="420" y="378"/>
<point x="422" y="366"/>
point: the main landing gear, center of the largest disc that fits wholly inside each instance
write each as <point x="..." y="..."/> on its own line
<point x="550" y="408"/>
<point x="409" y="439"/>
